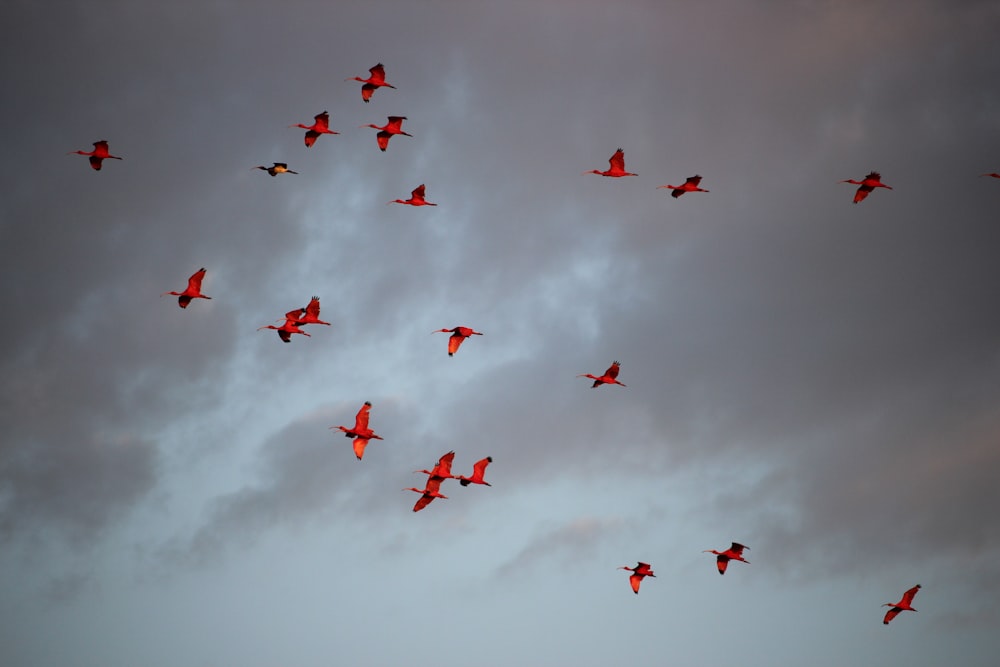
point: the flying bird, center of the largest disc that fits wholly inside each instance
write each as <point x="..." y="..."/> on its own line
<point x="690" y="185"/>
<point x="360" y="432"/>
<point x="192" y="291"/>
<point x="735" y="552"/>
<point x="394" y="126"/>
<point x="428" y="494"/>
<point x="321" y="125"/>
<point x="442" y="470"/>
<point x="98" y="155"/>
<point x="638" y="572"/>
<point x="902" y="605"/>
<point x="870" y="182"/>
<point x="277" y="168"/>
<point x="610" y="376"/>
<point x="478" y="471"/>
<point x="374" y="81"/>
<point x="309" y="314"/>
<point x="617" y="166"/>
<point x="993" y="174"/>
<point x="290" y="326"/>
<point x="458" y="336"/>
<point x="416" y="198"/>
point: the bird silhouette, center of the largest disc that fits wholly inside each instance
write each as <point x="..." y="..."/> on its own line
<point x="610" y="376"/>
<point x="394" y="126"/>
<point x="360" y="432"/>
<point x="478" y="471"/>
<point x="416" y="198"/>
<point x="690" y="185"/>
<point x="376" y="79"/>
<point x="735" y="552"/>
<point x="458" y="336"/>
<point x="276" y="168"/>
<point x="321" y="125"/>
<point x="638" y="572"/>
<point x="192" y="291"/>
<point x="867" y="184"/>
<point x="98" y="155"/>
<point x="902" y="605"/>
<point x="616" y="168"/>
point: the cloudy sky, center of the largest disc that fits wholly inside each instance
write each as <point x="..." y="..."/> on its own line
<point x="816" y="379"/>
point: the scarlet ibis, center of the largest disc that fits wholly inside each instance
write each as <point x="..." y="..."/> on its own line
<point x="993" y="174"/>
<point x="361" y="433"/>
<point x="690" y="185"/>
<point x="321" y="125"/>
<point x="97" y="155"/>
<point x="286" y="330"/>
<point x="193" y="290"/>
<point x="375" y="80"/>
<point x="638" y="572"/>
<point x="442" y="470"/>
<point x="428" y="494"/>
<point x="870" y="182"/>
<point x="276" y="168"/>
<point x="617" y="166"/>
<point x="902" y="605"/>
<point x="394" y="126"/>
<point x="734" y="552"/>
<point x="416" y="198"/>
<point x="610" y="376"/>
<point x="310" y="314"/>
<point x="458" y="336"/>
<point x="478" y="471"/>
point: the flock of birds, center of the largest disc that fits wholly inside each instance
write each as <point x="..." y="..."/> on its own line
<point x="361" y="433"/>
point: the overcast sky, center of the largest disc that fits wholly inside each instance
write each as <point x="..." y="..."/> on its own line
<point x="815" y="379"/>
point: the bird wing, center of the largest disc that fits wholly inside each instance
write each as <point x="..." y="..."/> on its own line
<point x="367" y="90"/>
<point x="294" y="316"/>
<point x="359" y="447"/>
<point x="433" y="485"/>
<point x="617" y="161"/>
<point x="311" y="137"/>
<point x="738" y="548"/>
<point x="322" y="121"/>
<point x="443" y="467"/>
<point x="313" y="308"/>
<point x="873" y="175"/>
<point x="422" y="502"/>
<point x="454" y="342"/>
<point x="612" y="371"/>
<point x="635" y="580"/>
<point x="694" y="180"/>
<point x="862" y="193"/>
<point x="722" y="561"/>
<point x="396" y="122"/>
<point x="194" y="282"/>
<point x="377" y="73"/>
<point x="908" y="595"/>
<point x="383" y="138"/>
<point x="361" y="419"/>
<point x="418" y="192"/>
<point x="479" y="468"/>
<point x="95" y="161"/>
<point x="891" y="614"/>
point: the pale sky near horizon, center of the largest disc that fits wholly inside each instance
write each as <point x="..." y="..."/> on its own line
<point x="816" y="379"/>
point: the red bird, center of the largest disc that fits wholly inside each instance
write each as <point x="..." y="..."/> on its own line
<point x="320" y="126"/>
<point x="610" y="376"/>
<point x="870" y="182"/>
<point x="734" y="552"/>
<point x="442" y="470"/>
<point x="416" y="198"/>
<point x="276" y="168"/>
<point x="993" y="174"/>
<point x="290" y="326"/>
<point x="375" y="80"/>
<point x="617" y="166"/>
<point x="394" y="126"/>
<point x="361" y="433"/>
<point x="97" y="155"/>
<point x="478" y="471"/>
<point x="309" y="314"/>
<point x="428" y="494"/>
<point x="193" y="290"/>
<point x="690" y="185"/>
<point x="458" y="336"/>
<point x="902" y="605"/>
<point x="638" y="572"/>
